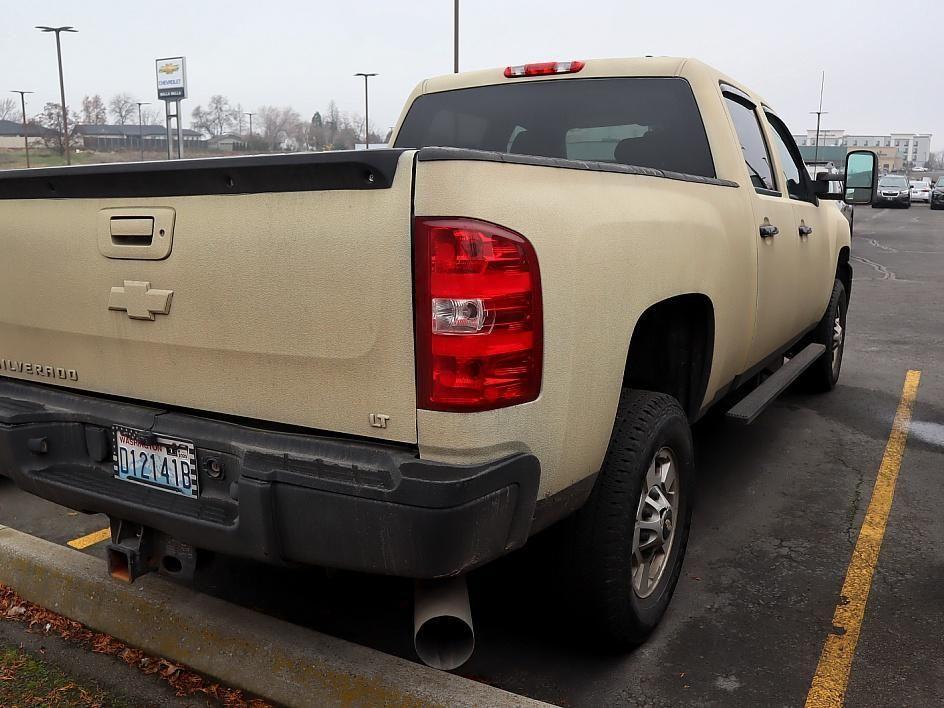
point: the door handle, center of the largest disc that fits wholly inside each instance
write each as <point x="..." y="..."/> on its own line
<point x="805" y="230"/>
<point x="768" y="230"/>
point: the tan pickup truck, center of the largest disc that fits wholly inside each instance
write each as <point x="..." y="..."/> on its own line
<point x="410" y="360"/>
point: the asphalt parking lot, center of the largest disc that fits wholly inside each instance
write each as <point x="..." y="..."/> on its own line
<point x="779" y="511"/>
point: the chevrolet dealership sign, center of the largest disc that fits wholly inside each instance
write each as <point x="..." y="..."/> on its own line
<point x="172" y="79"/>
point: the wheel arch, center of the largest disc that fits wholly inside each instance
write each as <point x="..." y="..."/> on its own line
<point x="844" y="270"/>
<point x="671" y="350"/>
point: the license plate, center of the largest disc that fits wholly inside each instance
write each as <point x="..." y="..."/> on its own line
<point x="155" y="461"/>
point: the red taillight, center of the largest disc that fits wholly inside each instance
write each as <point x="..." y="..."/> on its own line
<point x="544" y="68"/>
<point x="479" y="333"/>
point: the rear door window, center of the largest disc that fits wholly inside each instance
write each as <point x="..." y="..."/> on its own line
<point x="645" y="122"/>
<point x="798" y="183"/>
<point x="753" y="146"/>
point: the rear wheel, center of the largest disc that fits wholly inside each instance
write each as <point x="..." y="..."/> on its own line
<point x="831" y="333"/>
<point x="624" y="548"/>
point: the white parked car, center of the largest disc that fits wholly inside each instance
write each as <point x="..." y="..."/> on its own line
<point x="921" y="190"/>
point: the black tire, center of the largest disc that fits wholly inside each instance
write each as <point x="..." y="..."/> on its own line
<point x="823" y="375"/>
<point x="598" y="540"/>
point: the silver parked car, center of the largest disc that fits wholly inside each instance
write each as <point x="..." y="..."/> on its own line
<point x="893" y="190"/>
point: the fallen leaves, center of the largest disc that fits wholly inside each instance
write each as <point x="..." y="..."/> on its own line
<point x="8" y="671"/>
<point x="184" y="681"/>
<point x="26" y="682"/>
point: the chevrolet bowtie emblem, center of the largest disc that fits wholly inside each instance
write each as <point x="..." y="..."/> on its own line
<point x="139" y="300"/>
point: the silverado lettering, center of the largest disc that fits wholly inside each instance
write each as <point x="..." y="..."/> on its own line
<point x="33" y="369"/>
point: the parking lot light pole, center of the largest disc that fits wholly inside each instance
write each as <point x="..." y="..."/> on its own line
<point x="455" y="37"/>
<point x="250" y="123"/>
<point x="141" y="127"/>
<point x="62" y="85"/>
<point x="366" y="110"/>
<point x="25" y="125"/>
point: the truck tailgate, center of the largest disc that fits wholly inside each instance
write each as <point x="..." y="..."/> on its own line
<point x="280" y="290"/>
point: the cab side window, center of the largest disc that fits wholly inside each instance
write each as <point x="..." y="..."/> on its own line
<point x="753" y="145"/>
<point x="798" y="182"/>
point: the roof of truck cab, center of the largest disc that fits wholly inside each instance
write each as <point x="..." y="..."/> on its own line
<point x="593" y="68"/>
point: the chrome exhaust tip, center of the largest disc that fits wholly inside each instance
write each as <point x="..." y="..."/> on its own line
<point x="443" y="635"/>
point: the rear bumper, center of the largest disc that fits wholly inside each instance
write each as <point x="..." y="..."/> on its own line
<point x="284" y="497"/>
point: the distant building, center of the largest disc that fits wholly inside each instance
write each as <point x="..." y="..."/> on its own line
<point x="835" y="154"/>
<point x="910" y="147"/>
<point x="112" y="138"/>
<point x="889" y="158"/>
<point x="226" y="143"/>
<point x="12" y="135"/>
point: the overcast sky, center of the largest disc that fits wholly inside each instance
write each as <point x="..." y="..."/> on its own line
<point x="882" y="59"/>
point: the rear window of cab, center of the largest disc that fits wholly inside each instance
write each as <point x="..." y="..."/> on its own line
<point x="641" y="121"/>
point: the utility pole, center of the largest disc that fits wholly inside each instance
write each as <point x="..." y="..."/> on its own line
<point x="366" y="110"/>
<point x="62" y="85"/>
<point x="819" y="115"/>
<point x="141" y="127"/>
<point x="455" y="37"/>
<point x="25" y="125"/>
<point x="250" y="125"/>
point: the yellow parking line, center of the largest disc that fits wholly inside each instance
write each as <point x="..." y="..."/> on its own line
<point x="832" y="672"/>
<point x="90" y="540"/>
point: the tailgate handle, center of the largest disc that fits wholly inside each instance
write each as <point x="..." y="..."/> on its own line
<point x="136" y="233"/>
<point x="132" y="230"/>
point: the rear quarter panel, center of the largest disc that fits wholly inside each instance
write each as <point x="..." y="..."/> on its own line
<point x="609" y="246"/>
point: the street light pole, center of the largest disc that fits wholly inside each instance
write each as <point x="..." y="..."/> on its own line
<point x="366" y="110"/>
<point x="250" y="123"/>
<point x="455" y="37"/>
<point x="25" y="125"/>
<point x="62" y="85"/>
<point x="141" y="127"/>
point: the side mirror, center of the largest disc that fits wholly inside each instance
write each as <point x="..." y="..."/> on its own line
<point x="861" y="175"/>
<point x="825" y="183"/>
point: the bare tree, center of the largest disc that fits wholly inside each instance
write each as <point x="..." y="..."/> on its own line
<point x="200" y="120"/>
<point x="152" y="116"/>
<point x="51" y="118"/>
<point x="278" y="124"/>
<point x="337" y="130"/>
<point x="236" y="118"/>
<point x="8" y="108"/>
<point x="93" y="111"/>
<point x="221" y="114"/>
<point x="218" y="118"/>
<point x="122" y="108"/>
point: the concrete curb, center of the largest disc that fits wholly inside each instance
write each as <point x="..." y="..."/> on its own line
<point x="271" y="658"/>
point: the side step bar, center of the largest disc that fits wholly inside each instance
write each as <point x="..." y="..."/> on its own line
<point x="754" y="403"/>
